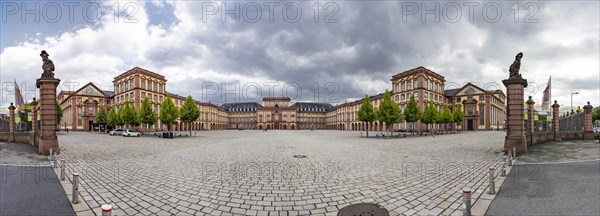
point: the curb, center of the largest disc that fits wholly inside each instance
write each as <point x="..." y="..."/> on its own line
<point x="484" y="200"/>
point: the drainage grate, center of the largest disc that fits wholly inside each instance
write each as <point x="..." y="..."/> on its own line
<point x="300" y="156"/>
<point x="363" y="209"/>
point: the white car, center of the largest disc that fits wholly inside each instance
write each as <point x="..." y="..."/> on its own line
<point x="116" y="132"/>
<point x="596" y="130"/>
<point x="131" y="133"/>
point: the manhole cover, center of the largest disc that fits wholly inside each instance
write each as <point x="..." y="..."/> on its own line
<point x="363" y="209"/>
<point x="300" y="156"/>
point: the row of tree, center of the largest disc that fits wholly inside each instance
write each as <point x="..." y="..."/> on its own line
<point x="169" y="114"/>
<point x="389" y="113"/>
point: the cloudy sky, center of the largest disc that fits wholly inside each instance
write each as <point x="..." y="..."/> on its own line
<point x="330" y="51"/>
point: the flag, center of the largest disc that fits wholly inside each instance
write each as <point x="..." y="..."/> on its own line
<point x="547" y="95"/>
<point x="18" y="96"/>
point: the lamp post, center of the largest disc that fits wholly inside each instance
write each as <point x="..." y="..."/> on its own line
<point x="572" y="98"/>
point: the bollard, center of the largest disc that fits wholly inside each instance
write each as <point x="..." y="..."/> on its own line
<point x="509" y="158"/>
<point x="55" y="161"/>
<point x="75" y="198"/>
<point x="492" y="190"/>
<point x="50" y="156"/>
<point x="514" y="153"/>
<point x="503" y="172"/>
<point x="466" y="201"/>
<point x="62" y="169"/>
<point x="106" y="210"/>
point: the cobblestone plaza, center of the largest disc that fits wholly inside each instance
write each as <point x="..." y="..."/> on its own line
<point x="256" y="173"/>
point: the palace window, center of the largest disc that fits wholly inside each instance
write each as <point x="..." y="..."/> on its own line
<point x="431" y="96"/>
<point x="126" y="86"/>
<point x="415" y="83"/>
<point x="396" y="98"/>
<point x="469" y="110"/>
<point x="425" y="95"/>
<point x="155" y="109"/>
<point x="155" y="98"/>
<point x="155" y="87"/>
<point x="458" y="100"/>
<point x="127" y="97"/>
<point x="403" y="86"/>
<point x="402" y="96"/>
<point x="416" y="95"/>
<point x="132" y="95"/>
<point x="143" y="84"/>
<point x="408" y="87"/>
<point x="132" y="84"/>
<point x="481" y="98"/>
<point x="160" y="98"/>
<point x="143" y="94"/>
<point x="425" y="84"/>
<point x="90" y="110"/>
<point x="149" y="85"/>
<point x="431" y="86"/>
<point x="161" y="89"/>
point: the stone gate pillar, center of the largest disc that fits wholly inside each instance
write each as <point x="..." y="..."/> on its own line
<point x="556" y="121"/>
<point x="588" y="133"/>
<point x="34" y="117"/>
<point x="530" y="116"/>
<point x="11" y="123"/>
<point x="47" y="85"/>
<point x="515" y="134"/>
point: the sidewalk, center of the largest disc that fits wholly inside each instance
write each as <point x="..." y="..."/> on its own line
<point x="552" y="179"/>
<point x="28" y="184"/>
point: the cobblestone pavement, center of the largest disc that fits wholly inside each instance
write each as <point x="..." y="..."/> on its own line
<point x="254" y="172"/>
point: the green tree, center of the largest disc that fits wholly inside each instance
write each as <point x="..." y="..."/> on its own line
<point x="146" y="114"/>
<point x="596" y="114"/>
<point x="447" y="117"/>
<point x="127" y="115"/>
<point x="189" y="112"/>
<point x="113" y="118"/>
<point x="458" y="114"/>
<point x="366" y="113"/>
<point x="412" y="113"/>
<point x="388" y="112"/>
<point x="429" y="115"/>
<point x="101" y="116"/>
<point x="168" y="112"/>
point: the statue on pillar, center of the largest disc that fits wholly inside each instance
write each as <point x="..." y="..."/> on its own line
<point x="48" y="65"/>
<point x="515" y="67"/>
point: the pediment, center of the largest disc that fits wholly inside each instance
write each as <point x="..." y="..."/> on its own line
<point x="470" y="90"/>
<point x="90" y="90"/>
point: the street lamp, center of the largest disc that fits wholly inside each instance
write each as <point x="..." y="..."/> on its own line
<point x="572" y="98"/>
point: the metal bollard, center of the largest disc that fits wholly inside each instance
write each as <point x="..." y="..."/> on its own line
<point x="466" y="201"/>
<point x="492" y="189"/>
<point x="75" y="198"/>
<point x="509" y="158"/>
<point x="50" y="156"/>
<point x="62" y="169"/>
<point x="106" y="210"/>
<point x="55" y="160"/>
<point x="514" y="152"/>
<point x="503" y="172"/>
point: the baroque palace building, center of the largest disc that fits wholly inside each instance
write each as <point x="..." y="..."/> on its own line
<point x="483" y="109"/>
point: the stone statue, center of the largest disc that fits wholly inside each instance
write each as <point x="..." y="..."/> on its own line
<point x="48" y="65"/>
<point x="515" y="67"/>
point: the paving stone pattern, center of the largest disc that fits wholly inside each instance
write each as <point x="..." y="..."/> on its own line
<point x="254" y="172"/>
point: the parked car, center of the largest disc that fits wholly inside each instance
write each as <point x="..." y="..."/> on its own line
<point x="129" y="132"/>
<point x="596" y="130"/>
<point x="116" y="132"/>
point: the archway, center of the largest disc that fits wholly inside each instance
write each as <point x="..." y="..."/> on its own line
<point x="285" y="126"/>
<point x="268" y="126"/>
<point x="260" y="127"/>
<point x="293" y="127"/>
